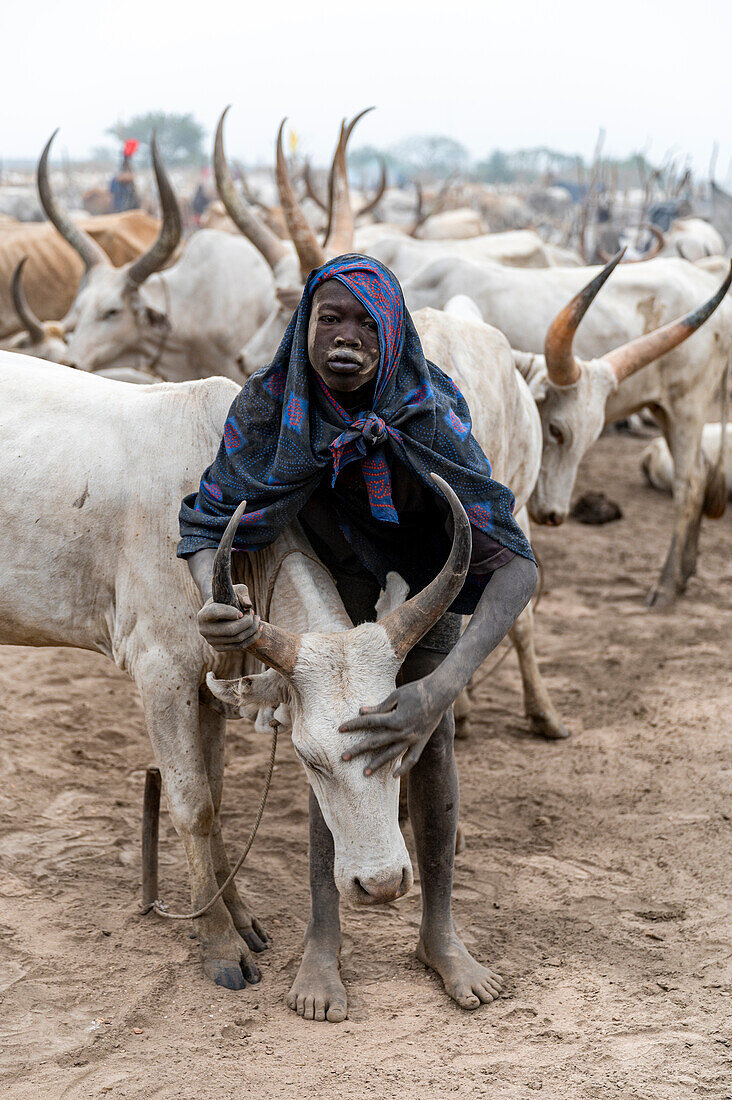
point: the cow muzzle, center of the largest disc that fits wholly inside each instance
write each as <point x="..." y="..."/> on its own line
<point x="380" y="889"/>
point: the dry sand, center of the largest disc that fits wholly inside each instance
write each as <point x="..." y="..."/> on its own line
<point x="596" y="876"/>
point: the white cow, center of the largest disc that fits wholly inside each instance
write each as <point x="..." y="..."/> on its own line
<point x="678" y="388"/>
<point x="182" y="323"/>
<point x="514" y="248"/>
<point x="693" y="239"/>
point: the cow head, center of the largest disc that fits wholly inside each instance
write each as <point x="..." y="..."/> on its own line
<point x="571" y="394"/>
<point x="110" y="319"/>
<point x="325" y="678"/>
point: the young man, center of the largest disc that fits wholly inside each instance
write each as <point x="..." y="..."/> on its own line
<point x="342" y="431"/>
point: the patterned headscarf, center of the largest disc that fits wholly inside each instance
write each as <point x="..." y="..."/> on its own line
<point x="286" y="431"/>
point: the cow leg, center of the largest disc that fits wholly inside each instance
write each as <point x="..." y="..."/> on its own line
<point x="684" y="440"/>
<point x="213" y="736"/>
<point x="434" y="802"/>
<point x="171" y="713"/>
<point x="318" y="992"/>
<point x="538" y="707"/>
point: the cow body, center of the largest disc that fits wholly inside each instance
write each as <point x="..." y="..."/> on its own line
<point x="53" y="271"/>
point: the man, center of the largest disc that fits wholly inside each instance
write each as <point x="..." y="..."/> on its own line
<point x="342" y="431"/>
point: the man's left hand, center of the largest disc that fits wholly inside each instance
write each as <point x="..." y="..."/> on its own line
<point x="403" y="723"/>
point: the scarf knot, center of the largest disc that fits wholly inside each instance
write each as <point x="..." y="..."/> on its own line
<point x="368" y="432"/>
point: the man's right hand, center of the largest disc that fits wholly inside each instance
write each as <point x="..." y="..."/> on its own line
<point x="227" y="628"/>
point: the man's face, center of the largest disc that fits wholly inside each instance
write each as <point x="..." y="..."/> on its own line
<point x="343" y="338"/>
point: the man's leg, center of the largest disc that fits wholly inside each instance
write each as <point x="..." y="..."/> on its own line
<point x="434" y="803"/>
<point x="318" y="992"/>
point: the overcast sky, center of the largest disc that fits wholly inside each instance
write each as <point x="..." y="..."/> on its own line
<point x="491" y="73"/>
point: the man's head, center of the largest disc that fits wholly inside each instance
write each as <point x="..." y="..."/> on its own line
<point x="343" y="338"/>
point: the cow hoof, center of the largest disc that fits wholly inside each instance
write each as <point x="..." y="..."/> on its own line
<point x="548" y="727"/>
<point x="254" y="936"/>
<point x="660" y="599"/>
<point x="231" y="973"/>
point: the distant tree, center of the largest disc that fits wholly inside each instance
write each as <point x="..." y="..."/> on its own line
<point x="496" y="169"/>
<point x="180" y="137"/>
<point x="432" y="156"/>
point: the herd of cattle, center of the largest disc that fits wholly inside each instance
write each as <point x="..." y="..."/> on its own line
<point x="94" y="467"/>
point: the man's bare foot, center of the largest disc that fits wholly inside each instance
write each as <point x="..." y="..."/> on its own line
<point x="465" y="980"/>
<point x="318" y="992"/>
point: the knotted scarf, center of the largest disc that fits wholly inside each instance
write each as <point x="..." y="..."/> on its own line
<point x="286" y="432"/>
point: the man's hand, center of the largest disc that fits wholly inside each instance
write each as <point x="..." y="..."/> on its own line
<point x="227" y="628"/>
<point x="403" y="723"/>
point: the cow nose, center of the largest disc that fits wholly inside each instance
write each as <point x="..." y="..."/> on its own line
<point x="554" y="519"/>
<point x="378" y="890"/>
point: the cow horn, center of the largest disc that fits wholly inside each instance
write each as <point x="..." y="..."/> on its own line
<point x="310" y="191"/>
<point x="561" y="365"/>
<point x="274" y="647"/>
<point x="658" y="244"/>
<point x="309" y="252"/>
<point x="629" y="358"/>
<point x="242" y="215"/>
<point x="410" y="622"/>
<point x="28" y="318"/>
<point x="91" y="253"/>
<point x="339" y="234"/>
<point x="170" y="230"/>
<point x="374" y="202"/>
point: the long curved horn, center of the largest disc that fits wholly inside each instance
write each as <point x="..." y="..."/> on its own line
<point x="28" y="318"/>
<point x="629" y="358"/>
<point x="275" y="647"/>
<point x="561" y="365"/>
<point x="309" y="252"/>
<point x="90" y="252"/>
<point x="410" y="622"/>
<point x="374" y="202"/>
<point x="170" y="230"/>
<point x="658" y="244"/>
<point x="242" y="215"/>
<point x="310" y="191"/>
<point x="341" y="222"/>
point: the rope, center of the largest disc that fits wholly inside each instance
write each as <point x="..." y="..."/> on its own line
<point x="161" y="909"/>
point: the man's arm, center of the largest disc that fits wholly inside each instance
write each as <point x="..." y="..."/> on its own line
<point x="224" y="627"/>
<point x="405" y="721"/>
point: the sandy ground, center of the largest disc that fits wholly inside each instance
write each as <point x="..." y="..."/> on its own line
<point x="596" y="876"/>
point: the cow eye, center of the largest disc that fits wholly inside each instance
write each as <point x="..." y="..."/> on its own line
<point x="556" y="434"/>
<point x="314" y="765"/>
<point x="110" y="313"/>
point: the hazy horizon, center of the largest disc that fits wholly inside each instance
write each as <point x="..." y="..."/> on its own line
<point x="483" y="74"/>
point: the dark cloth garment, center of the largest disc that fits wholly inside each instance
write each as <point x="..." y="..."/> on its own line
<point x="416" y="547"/>
<point x="359" y="592"/>
<point x="287" y="436"/>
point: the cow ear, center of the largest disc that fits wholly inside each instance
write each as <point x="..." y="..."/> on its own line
<point x="156" y="319"/>
<point x="394" y="595"/>
<point x="538" y="387"/>
<point x="263" y="689"/>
